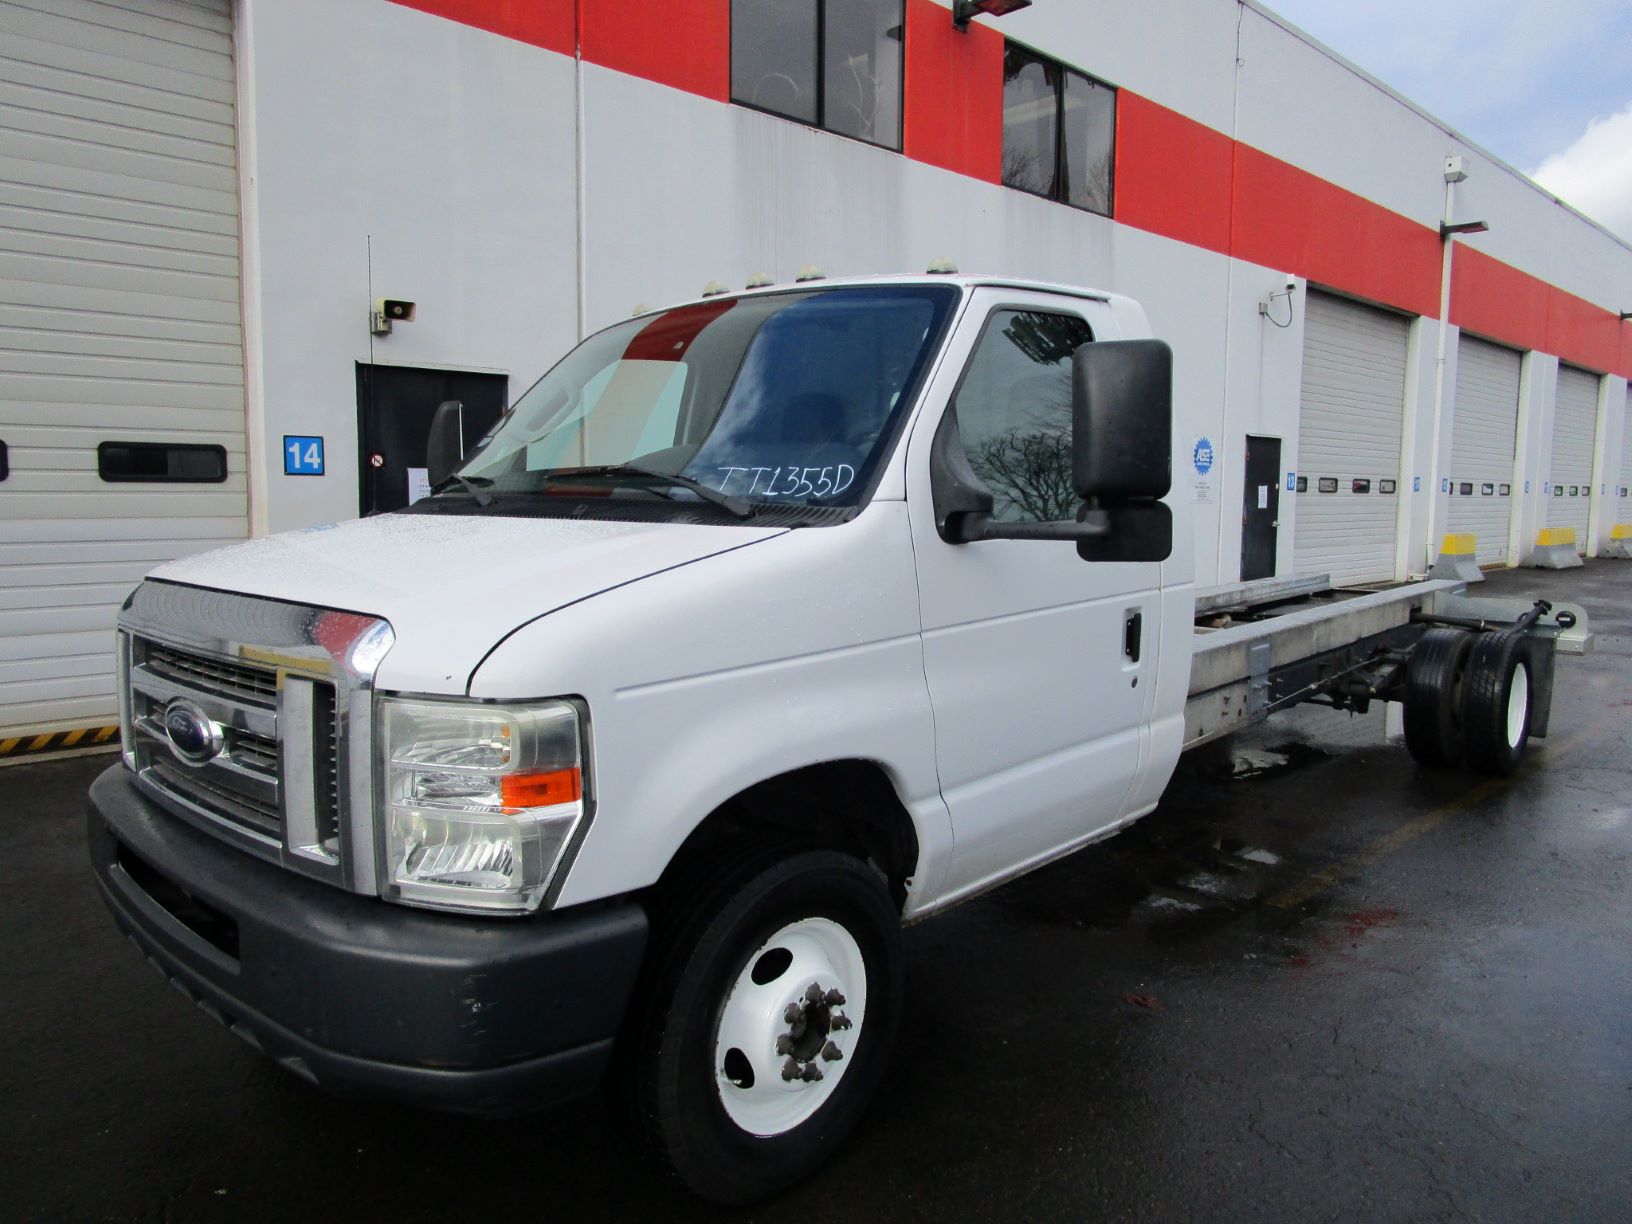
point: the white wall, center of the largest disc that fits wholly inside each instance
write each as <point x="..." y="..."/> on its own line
<point x="454" y="149"/>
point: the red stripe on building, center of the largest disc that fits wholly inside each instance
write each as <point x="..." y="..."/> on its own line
<point x="685" y="44"/>
<point x="1288" y="218"/>
<point x="543" y="23"/>
<point x="1494" y="299"/>
<point x="954" y="94"/>
<point x="1174" y="176"/>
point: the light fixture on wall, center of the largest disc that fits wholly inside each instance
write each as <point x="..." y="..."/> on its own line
<point x="1625" y="315"/>
<point x="963" y="11"/>
<point x="1446" y="229"/>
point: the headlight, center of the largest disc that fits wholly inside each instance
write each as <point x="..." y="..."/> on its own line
<point x="480" y="800"/>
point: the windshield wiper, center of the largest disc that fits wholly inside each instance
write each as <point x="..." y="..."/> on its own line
<point x="734" y="505"/>
<point x="472" y="485"/>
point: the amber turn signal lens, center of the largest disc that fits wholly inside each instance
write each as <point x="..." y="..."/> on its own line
<point x="530" y="790"/>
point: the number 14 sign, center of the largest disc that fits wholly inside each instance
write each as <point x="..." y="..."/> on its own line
<point x="302" y="456"/>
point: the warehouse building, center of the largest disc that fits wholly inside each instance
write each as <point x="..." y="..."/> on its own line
<point x="1383" y="334"/>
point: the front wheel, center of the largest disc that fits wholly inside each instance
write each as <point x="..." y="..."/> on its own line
<point x="764" y="1023"/>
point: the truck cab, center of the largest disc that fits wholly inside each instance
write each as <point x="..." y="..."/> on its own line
<point x="758" y="626"/>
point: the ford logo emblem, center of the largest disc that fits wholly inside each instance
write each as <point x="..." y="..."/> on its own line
<point x="193" y="736"/>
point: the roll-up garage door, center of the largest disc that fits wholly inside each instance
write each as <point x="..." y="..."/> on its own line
<point x="1575" y="426"/>
<point x="1350" y="420"/>
<point x="121" y="354"/>
<point x="1484" y="440"/>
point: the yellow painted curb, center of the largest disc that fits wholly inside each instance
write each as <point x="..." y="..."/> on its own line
<point x="56" y="741"/>
<point x="1621" y="531"/>
<point x="1459" y="544"/>
<point x="1551" y="536"/>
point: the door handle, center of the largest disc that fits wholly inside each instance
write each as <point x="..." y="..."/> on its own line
<point x="1133" y="631"/>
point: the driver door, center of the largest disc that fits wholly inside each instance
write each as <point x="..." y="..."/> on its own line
<point x="1040" y="665"/>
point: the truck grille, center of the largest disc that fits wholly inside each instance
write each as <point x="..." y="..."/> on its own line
<point x="248" y="683"/>
<point x="276" y="777"/>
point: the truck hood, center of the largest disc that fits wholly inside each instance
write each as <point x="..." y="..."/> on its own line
<point x="452" y="587"/>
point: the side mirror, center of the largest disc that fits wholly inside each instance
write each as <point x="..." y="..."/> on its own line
<point x="1122" y="420"/>
<point x="1122" y="446"/>
<point x="445" y="448"/>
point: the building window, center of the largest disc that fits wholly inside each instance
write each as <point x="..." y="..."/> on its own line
<point x="1059" y="131"/>
<point x="834" y="64"/>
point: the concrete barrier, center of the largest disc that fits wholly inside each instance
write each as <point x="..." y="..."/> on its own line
<point x="1458" y="559"/>
<point x="1620" y="542"/>
<point x="1555" y="549"/>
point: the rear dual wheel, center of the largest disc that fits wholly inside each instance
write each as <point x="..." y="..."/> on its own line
<point x="1496" y="702"/>
<point x="1468" y="699"/>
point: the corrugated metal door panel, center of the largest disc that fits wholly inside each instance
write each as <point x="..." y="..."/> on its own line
<point x="1350" y="421"/>
<point x="1484" y="442"/>
<point x="1575" y="427"/>
<point x="119" y="321"/>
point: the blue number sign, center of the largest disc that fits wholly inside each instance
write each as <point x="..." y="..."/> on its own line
<point x="302" y="456"/>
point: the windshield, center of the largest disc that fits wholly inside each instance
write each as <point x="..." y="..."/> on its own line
<point x="789" y="399"/>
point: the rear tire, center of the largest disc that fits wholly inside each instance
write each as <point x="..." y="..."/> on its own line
<point x="1434" y="679"/>
<point x="699" y="1077"/>
<point x="1496" y="702"/>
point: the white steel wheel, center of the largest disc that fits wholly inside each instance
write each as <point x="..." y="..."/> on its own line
<point x="764" y="1019"/>
<point x="789" y="1025"/>
<point x="1518" y="706"/>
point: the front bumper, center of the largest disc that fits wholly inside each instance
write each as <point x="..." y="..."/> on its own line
<point x="358" y="995"/>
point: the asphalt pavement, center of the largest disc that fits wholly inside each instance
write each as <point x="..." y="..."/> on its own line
<point x="1320" y="983"/>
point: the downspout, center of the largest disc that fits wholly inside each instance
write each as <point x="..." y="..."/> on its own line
<point x="1446" y="245"/>
<point x="580" y="187"/>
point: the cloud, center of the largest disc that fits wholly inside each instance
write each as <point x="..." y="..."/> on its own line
<point x="1595" y="173"/>
<point x="1518" y="77"/>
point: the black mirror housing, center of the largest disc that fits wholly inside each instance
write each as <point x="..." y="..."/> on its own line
<point x="445" y="448"/>
<point x="1122" y="420"/>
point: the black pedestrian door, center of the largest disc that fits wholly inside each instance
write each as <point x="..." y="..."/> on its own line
<point x="395" y="405"/>
<point x="1260" y="508"/>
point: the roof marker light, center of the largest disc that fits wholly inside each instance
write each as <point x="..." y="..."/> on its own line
<point x="810" y="272"/>
<point x="759" y="280"/>
<point x="942" y="266"/>
<point x="715" y="288"/>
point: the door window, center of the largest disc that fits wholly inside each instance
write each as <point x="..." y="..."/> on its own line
<point x="1014" y="412"/>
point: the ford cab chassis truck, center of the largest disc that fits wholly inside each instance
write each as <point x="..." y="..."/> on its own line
<point x="758" y="627"/>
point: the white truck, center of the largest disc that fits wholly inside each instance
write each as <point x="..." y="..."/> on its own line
<point x="757" y="627"/>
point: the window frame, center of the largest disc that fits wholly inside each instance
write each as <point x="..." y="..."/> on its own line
<point x="1059" y="194"/>
<point x="1004" y="306"/>
<point x="820" y="123"/>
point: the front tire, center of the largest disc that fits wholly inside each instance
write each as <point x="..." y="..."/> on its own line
<point x="764" y="1022"/>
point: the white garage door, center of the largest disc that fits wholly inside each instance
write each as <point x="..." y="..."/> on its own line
<point x="1575" y="426"/>
<point x="1484" y="440"/>
<point x="1349" y="424"/>
<point x="119" y="324"/>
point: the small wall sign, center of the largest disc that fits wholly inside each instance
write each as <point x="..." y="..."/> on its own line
<point x="302" y="455"/>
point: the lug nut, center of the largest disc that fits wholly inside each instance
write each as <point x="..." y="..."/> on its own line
<point x="790" y="1070"/>
<point x="784" y="1044"/>
<point x="834" y="998"/>
<point x="831" y="1052"/>
<point x="838" y="1024"/>
<point x="792" y="1012"/>
<point x="811" y="1073"/>
<point x="813" y="995"/>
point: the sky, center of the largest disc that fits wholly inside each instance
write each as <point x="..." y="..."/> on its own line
<point x="1545" y="85"/>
